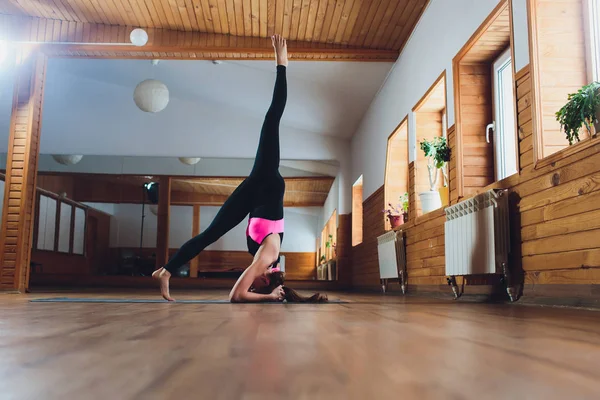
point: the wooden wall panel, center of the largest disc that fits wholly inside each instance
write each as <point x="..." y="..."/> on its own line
<point x="162" y="221"/>
<point x="57" y="184"/>
<point x="414" y="206"/>
<point x="365" y="265"/>
<point x="298" y="265"/>
<point x="476" y="106"/>
<point x="452" y="165"/>
<point x="195" y="232"/>
<point x="20" y="180"/>
<point x="524" y="122"/>
<point x="344" y="250"/>
<point x="357" y="214"/>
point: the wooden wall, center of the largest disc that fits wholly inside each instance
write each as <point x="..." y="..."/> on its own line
<point x="555" y="218"/>
<point x="298" y="266"/>
<point x="365" y="267"/>
<point x="476" y="106"/>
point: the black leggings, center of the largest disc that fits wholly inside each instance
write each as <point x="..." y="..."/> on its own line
<point x="260" y="195"/>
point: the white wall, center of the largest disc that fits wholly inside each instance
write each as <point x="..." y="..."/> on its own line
<point x="442" y="31"/>
<point x="90" y="112"/>
<point x="331" y="203"/>
<point x="301" y="227"/>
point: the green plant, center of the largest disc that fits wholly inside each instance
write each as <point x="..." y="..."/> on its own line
<point x="438" y="154"/>
<point x="580" y="110"/>
<point x="323" y="258"/>
<point x="328" y="242"/>
<point x="404" y="201"/>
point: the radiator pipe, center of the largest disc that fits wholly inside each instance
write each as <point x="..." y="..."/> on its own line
<point x="452" y="283"/>
<point x="403" y="282"/>
<point x="510" y="289"/>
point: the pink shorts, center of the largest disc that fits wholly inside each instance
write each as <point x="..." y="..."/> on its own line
<point x="259" y="228"/>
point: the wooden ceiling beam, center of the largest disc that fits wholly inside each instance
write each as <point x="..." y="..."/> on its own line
<point x="76" y="39"/>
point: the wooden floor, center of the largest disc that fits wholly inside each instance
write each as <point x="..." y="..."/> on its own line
<point x="375" y="347"/>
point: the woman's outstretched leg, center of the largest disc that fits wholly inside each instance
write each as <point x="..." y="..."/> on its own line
<point x="233" y="211"/>
<point x="267" y="155"/>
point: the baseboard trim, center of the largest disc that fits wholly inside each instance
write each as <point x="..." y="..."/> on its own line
<point x="587" y="296"/>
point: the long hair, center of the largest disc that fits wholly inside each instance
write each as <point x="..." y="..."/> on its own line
<point x="278" y="278"/>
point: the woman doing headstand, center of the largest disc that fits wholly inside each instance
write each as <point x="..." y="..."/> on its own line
<point x="261" y="196"/>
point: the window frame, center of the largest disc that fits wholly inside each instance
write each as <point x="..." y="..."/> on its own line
<point x="592" y="36"/>
<point x="505" y="61"/>
<point x="355" y="221"/>
<point x="59" y="201"/>
<point x="539" y="160"/>
<point x="387" y="161"/>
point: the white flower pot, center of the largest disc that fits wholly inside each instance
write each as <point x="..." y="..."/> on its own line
<point x="430" y="201"/>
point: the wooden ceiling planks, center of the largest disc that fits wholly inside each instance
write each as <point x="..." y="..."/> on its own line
<point x="374" y="24"/>
<point x="492" y="42"/>
<point x="167" y="44"/>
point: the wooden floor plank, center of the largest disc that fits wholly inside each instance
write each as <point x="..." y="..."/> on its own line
<point x="375" y="347"/>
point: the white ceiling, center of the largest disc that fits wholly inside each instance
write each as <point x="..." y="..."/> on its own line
<point x="325" y="98"/>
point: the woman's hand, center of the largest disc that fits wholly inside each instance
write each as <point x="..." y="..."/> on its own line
<point x="278" y="294"/>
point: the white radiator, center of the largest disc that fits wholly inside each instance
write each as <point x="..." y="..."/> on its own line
<point x="477" y="235"/>
<point x="392" y="258"/>
<point x="386" y="249"/>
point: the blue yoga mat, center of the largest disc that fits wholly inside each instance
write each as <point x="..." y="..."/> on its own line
<point x="92" y="300"/>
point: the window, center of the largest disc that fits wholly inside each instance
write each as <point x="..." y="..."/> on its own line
<point x="503" y="126"/>
<point x="64" y="228"/>
<point x="396" y="167"/>
<point x="562" y="38"/>
<point x="46" y="223"/>
<point x="593" y="39"/>
<point x="61" y="225"/>
<point x="485" y="106"/>
<point x="79" y="231"/>
<point x="357" y="212"/>
<point x="431" y="190"/>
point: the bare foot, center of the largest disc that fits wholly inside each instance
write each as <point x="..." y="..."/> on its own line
<point x="163" y="277"/>
<point x="280" y="45"/>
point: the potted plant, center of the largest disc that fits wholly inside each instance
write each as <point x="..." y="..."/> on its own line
<point x="394" y="215"/>
<point x="404" y="201"/>
<point x="582" y="109"/>
<point x="438" y="155"/>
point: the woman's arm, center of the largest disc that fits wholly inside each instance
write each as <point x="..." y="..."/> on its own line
<point x="241" y="290"/>
<point x="264" y="258"/>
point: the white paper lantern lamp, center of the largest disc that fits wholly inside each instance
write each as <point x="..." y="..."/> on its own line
<point x="138" y="37"/>
<point x="151" y="96"/>
<point x="66" y="159"/>
<point x="189" y="160"/>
